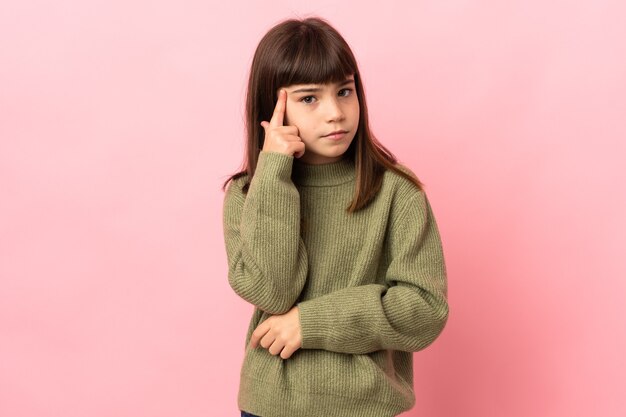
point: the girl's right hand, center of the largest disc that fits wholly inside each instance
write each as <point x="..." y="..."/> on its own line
<point x="279" y="138"/>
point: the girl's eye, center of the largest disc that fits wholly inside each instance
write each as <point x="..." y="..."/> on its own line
<point x="347" y="90"/>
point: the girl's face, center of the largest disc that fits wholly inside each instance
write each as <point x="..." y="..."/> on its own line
<point x="319" y="109"/>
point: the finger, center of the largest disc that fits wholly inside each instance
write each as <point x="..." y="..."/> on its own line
<point x="301" y="148"/>
<point x="287" y="352"/>
<point x="267" y="340"/>
<point x="258" y="333"/>
<point x="289" y="130"/>
<point x="279" y="110"/>
<point x="264" y="124"/>
<point x="275" y="348"/>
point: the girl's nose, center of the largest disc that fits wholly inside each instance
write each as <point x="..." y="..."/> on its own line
<point x="334" y="110"/>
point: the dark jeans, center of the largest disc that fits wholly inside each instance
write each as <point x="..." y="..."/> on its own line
<point x="244" y="414"/>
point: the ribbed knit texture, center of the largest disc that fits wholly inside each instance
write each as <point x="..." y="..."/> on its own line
<point x="371" y="287"/>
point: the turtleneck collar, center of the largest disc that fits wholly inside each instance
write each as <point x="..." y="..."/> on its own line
<point x="321" y="175"/>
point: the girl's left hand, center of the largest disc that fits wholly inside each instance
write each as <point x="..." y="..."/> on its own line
<point x="281" y="333"/>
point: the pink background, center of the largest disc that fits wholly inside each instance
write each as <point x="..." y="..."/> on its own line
<point x="119" y="121"/>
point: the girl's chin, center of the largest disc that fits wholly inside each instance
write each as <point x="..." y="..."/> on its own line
<point x="321" y="157"/>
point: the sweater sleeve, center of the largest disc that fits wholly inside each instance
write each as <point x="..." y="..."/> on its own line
<point x="407" y="313"/>
<point x="267" y="259"/>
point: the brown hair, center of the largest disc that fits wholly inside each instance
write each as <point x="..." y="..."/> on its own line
<point x="311" y="51"/>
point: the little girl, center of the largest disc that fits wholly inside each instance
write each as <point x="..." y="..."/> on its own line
<point x="330" y="238"/>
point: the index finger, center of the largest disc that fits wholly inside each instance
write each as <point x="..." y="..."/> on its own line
<point x="258" y="333"/>
<point x="279" y="110"/>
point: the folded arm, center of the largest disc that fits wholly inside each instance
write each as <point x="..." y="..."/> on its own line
<point x="267" y="259"/>
<point x="405" y="313"/>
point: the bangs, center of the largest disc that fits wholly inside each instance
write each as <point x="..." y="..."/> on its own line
<point x="315" y="58"/>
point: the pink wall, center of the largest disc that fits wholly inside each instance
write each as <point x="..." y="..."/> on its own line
<point x="119" y="122"/>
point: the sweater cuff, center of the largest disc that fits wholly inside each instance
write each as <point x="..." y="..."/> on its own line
<point x="275" y="164"/>
<point x="315" y="323"/>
